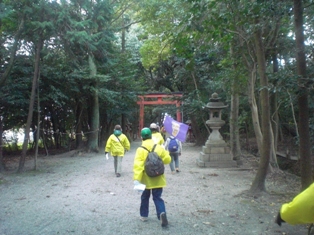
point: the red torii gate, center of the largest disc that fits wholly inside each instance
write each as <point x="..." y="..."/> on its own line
<point x="157" y="99"/>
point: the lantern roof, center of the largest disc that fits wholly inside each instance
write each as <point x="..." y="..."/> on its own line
<point x="215" y="103"/>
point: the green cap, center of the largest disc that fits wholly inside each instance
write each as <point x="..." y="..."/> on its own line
<point x="146" y="133"/>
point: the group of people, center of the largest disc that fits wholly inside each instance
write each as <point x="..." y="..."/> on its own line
<point x="299" y="211"/>
<point x="159" y="139"/>
<point x="117" y="144"/>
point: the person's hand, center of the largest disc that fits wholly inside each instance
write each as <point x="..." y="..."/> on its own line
<point x="279" y="220"/>
<point x="136" y="182"/>
<point x="107" y="156"/>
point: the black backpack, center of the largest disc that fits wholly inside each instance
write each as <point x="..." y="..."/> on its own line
<point x="153" y="166"/>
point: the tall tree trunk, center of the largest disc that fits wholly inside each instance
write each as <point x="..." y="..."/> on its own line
<point x="123" y="35"/>
<point x="31" y="105"/>
<point x="78" y="129"/>
<point x="123" y="41"/>
<point x="55" y="127"/>
<point x="234" y="118"/>
<point x="94" y="135"/>
<point x="1" y="144"/>
<point x="123" y="122"/>
<point x="105" y="127"/>
<point x="38" y="126"/>
<point x="254" y="108"/>
<point x="234" y="126"/>
<point x="304" y="134"/>
<point x="274" y="113"/>
<point x="37" y="142"/>
<point x="199" y="140"/>
<point x="258" y="184"/>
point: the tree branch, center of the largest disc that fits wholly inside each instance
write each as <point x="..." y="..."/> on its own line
<point x="4" y="76"/>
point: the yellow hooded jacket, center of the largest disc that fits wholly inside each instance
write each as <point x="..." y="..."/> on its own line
<point x="157" y="138"/>
<point x="115" y="147"/>
<point x="139" y="161"/>
<point x="301" y="209"/>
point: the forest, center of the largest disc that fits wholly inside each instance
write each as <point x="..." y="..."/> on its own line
<point x="72" y="69"/>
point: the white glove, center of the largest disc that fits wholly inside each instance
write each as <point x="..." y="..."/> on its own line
<point x="138" y="186"/>
<point x="107" y="156"/>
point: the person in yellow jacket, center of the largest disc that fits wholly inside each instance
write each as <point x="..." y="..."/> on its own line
<point x="156" y="136"/>
<point x="154" y="185"/>
<point x="117" y="144"/>
<point x="300" y="210"/>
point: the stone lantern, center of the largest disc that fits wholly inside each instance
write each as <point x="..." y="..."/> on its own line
<point x="216" y="152"/>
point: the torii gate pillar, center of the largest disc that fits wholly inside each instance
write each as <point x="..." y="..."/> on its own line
<point x="157" y="99"/>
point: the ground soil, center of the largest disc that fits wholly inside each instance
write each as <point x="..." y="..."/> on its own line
<point x="78" y="193"/>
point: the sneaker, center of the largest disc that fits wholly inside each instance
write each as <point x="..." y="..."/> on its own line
<point x="177" y="170"/>
<point x="143" y="219"/>
<point x="118" y="175"/>
<point x="163" y="218"/>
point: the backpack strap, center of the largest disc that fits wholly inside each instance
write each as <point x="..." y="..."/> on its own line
<point x="154" y="148"/>
<point x="147" y="149"/>
<point x="120" y="142"/>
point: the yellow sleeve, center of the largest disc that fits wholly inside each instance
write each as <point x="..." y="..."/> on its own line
<point x="108" y="145"/>
<point x="161" y="139"/>
<point x="138" y="166"/>
<point x="163" y="154"/>
<point x="301" y="209"/>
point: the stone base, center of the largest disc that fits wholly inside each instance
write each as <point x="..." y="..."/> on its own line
<point x="217" y="160"/>
<point x="217" y="164"/>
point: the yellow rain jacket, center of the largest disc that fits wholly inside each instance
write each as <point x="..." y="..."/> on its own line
<point x="139" y="160"/>
<point x="301" y="209"/>
<point x="157" y="138"/>
<point x="115" y="147"/>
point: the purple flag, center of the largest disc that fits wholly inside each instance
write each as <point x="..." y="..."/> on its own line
<point x="176" y="129"/>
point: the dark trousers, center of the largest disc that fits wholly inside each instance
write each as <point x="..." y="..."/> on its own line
<point x="159" y="202"/>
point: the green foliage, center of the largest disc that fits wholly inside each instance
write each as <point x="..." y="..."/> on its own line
<point x="153" y="52"/>
<point x="14" y="95"/>
<point x="195" y="47"/>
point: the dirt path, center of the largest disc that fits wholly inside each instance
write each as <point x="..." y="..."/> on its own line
<point x="81" y="195"/>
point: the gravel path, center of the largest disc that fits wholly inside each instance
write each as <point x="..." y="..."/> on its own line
<point x="81" y="195"/>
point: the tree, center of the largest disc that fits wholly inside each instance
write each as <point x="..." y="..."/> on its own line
<point x="14" y="48"/>
<point x="87" y="38"/>
<point x="258" y="184"/>
<point x="43" y="29"/>
<point x="304" y="135"/>
<point x="1" y="144"/>
<point x="7" y="24"/>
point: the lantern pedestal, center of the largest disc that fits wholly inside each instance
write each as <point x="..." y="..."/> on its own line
<point x="216" y="152"/>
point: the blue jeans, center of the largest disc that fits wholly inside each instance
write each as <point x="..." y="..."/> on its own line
<point x="159" y="202"/>
<point x="174" y="161"/>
